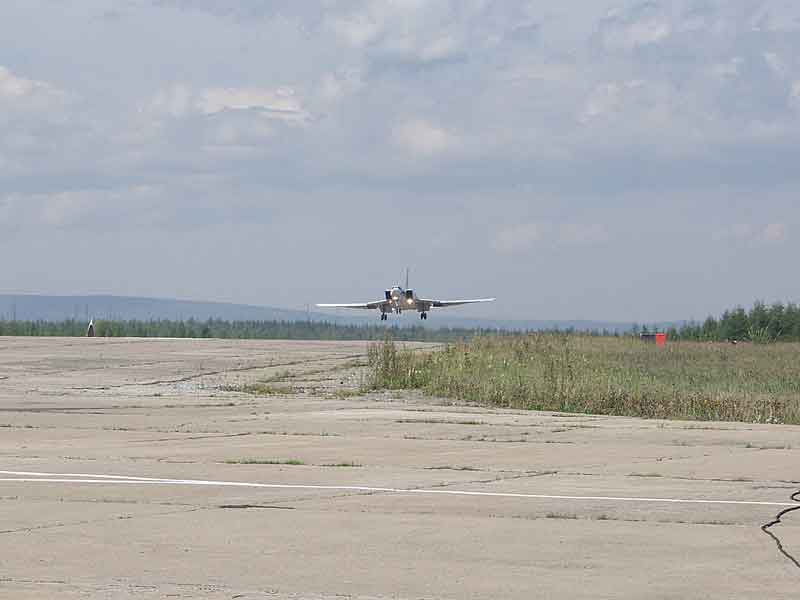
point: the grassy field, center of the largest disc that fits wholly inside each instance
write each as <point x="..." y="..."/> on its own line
<point x="616" y="376"/>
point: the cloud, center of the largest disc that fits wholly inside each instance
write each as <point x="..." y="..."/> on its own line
<point x="66" y="208"/>
<point x="418" y="136"/>
<point x="636" y="25"/>
<point x="28" y="95"/>
<point x="84" y="209"/>
<point x="13" y="87"/>
<point x="734" y="232"/>
<point x="583" y="233"/>
<point x="176" y="100"/>
<point x="281" y="103"/>
<point x="772" y="233"/>
<point x="520" y="238"/>
<point x="336" y="86"/>
<point x="636" y="34"/>
<point x="404" y="34"/>
<point x="604" y="99"/>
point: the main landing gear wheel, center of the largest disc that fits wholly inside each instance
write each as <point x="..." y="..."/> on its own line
<point x="423" y="316"/>
<point x="384" y="316"/>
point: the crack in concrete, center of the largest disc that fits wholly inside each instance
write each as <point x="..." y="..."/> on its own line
<point x="338" y="496"/>
<point x="196" y="437"/>
<point x="219" y="372"/>
<point x="777" y="521"/>
<point x="246" y="506"/>
<point x="94" y="521"/>
<point x="34" y="581"/>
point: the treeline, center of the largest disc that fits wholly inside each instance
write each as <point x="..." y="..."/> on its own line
<point x="761" y="324"/>
<point x="217" y="328"/>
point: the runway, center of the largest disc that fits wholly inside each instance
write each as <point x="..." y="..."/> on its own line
<point x="88" y="478"/>
<point x="133" y="468"/>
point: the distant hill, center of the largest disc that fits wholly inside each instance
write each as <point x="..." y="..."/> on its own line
<point x="57" y="308"/>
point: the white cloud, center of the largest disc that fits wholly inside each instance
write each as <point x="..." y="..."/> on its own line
<point x="637" y="34"/>
<point x="772" y="233"/>
<point x="739" y="231"/>
<point x="776" y="64"/>
<point x="282" y="103"/>
<point x="611" y="97"/>
<point x="519" y="238"/>
<point x="357" y="30"/>
<point x="727" y="70"/>
<point x="418" y="136"/>
<point x="27" y="94"/>
<point x="583" y="233"/>
<point x="66" y="208"/>
<point x="93" y="209"/>
<point x="603" y="99"/>
<point x="174" y="100"/>
<point x="538" y="70"/>
<point x="336" y="86"/>
<point x="12" y="86"/>
<point x="408" y="31"/>
<point x="6" y="210"/>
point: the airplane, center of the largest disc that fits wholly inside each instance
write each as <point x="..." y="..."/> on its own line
<point x="397" y="299"/>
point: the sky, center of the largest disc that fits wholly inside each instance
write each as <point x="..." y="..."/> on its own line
<point x="613" y="160"/>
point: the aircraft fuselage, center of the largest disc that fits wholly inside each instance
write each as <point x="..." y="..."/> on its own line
<point x="398" y="300"/>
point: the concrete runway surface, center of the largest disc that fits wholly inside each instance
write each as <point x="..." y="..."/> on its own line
<point x="133" y="468"/>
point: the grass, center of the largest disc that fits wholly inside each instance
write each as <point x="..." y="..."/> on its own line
<point x="758" y="383"/>
<point x="262" y="388"/>
<point x="344" y="394"/>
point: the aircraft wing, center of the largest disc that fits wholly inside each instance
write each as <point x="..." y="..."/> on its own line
<point x="445" y="303"/>
<point x="367" y="305"/>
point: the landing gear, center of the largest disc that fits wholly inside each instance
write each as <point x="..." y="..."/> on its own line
<point x="384" y="316"/>
<point x="423" y="316"/>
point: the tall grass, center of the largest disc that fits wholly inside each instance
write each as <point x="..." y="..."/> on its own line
<point x="617" y="376"/>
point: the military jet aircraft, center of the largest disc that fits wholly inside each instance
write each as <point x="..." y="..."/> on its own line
<point x="397" y="299"/>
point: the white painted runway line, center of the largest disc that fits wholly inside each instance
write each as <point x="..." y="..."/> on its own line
<point x="90" y="478"/>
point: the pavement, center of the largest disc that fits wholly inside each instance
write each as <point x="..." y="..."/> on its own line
<point x="142" y="468"/>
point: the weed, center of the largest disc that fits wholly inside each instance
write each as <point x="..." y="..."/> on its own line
<point x="262" y="389"/>
<point x="343" y="393"/>
<point x="562" y="373"/>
